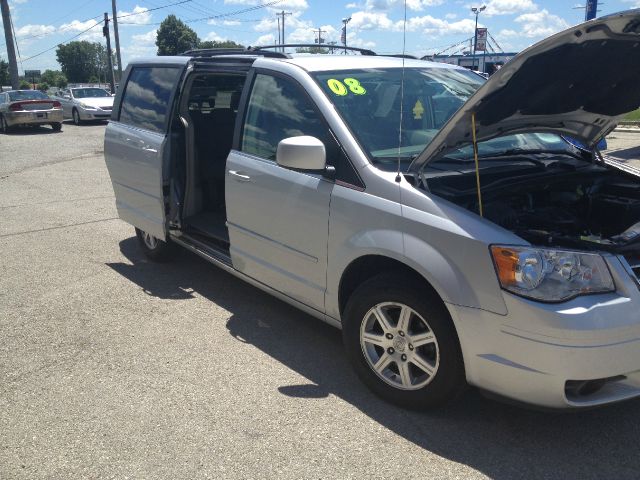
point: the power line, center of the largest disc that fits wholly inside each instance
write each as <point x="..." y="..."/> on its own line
<point x="222" y="15"/>
<point x="61" y="43"/>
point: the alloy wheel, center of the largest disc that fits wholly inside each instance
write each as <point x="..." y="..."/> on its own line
<point x="149" y="240"/>
<point x="399" y="346"/>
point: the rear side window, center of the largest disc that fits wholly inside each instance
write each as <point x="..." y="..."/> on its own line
<point x="145" y="103"/>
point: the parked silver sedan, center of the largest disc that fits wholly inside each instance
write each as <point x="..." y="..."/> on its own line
<point x="29" y="107"/>
<point x="86" y="103"/>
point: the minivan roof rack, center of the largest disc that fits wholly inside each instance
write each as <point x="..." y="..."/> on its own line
<point x="363" y="51"/>
<point x="401" y="55"/>
<point x="212" y="52"/>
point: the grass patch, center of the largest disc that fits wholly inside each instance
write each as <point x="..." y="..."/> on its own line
<point x="633" y="116"/>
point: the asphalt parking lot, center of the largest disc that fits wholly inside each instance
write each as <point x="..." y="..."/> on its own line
<point x="114" y="367"/>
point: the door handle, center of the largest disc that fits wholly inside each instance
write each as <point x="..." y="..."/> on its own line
<point x="241" y="177"/>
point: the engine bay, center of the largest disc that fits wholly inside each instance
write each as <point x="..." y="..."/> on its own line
<point x="587" y="207"/>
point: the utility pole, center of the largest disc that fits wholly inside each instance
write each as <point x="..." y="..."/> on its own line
<point x="283" y="14"/>
<point x="105" y="32"/>
<point x="320" y="32"/>
<point x="116" y="36"/>
<point x="11" y="49"/>
<point x="279" y="31"/>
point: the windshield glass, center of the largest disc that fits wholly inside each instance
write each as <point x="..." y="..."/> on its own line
<point x="370" y="101"/>
<point x="509" y="145"/>
<point x="90" y="92"/>
<point x="26" y="95"/>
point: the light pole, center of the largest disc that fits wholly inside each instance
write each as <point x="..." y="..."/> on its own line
<point x="476" y="11"/>
<point x="344" y="33"/>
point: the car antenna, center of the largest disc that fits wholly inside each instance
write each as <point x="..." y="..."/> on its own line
<point x="475" y="158"/>
<point x="404" y="45"/>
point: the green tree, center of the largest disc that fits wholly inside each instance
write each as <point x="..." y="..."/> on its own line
<point x="54" y="78"/>
<point x="24" y="85"/>
<point x="82" y="60"/>
<point x="175" y="37"/>
<point x="321" y="50"/>
<point x="216" y="44"/>
<point x="43" y="87"/>
<point x="4" y="73"/>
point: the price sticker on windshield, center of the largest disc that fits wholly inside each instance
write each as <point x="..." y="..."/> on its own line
<point x="345" y="86"/>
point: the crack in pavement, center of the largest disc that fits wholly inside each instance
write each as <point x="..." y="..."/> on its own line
<point x="58" y="227"/>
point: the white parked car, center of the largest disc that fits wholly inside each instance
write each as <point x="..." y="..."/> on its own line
<point x="86" y="103"/>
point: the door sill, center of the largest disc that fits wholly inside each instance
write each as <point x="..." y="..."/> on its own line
<point x="200" y="246"/>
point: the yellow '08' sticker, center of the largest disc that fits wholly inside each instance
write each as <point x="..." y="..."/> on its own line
<point x="340" y="88"/>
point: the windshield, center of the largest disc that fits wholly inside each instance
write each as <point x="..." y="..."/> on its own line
<point x="370" y="101"/>
<point x="509" y="145"/>
<point x="90" y="92"/>
<point x="26" y="95"/>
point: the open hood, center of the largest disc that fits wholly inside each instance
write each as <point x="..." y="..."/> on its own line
<point x="577" y="82"/>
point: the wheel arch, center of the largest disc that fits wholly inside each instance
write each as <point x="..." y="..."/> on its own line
<point x="371" y="265"/>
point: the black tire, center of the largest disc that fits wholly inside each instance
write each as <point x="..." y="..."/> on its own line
<point x="391" y="290"/>
<point x="156" y="249"/>
<point x="56" y="126"/>
<point x="4" y="128"/>
<point x="76" y="117"/>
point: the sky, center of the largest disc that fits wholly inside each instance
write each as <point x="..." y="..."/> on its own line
<point x="431" y="25"/>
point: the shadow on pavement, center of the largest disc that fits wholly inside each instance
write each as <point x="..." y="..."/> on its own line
<point x="501" y="441"/>
<point x="36" y="130"/>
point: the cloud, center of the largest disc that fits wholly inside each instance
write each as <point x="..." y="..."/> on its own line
<point x="415" y="5"/>
<point x="139" y="16"/>
<point x="35" y="30"/>
<point x="370" y="21"/>
<point x="509" y="7"/>
<point x="351" y="5"/>
<point x="436" y="26"/>
<point x="148" y="38"/>
<point x="541" y="24"/>
<point x="271" y="23"/>
<point x="93" y="33"/>
<point x="451" y="16"/>
<point x="213" y="37"/>
<point x="268" y="39"/>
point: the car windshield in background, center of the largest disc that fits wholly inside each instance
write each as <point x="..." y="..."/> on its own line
<point x="371" y="100"/>
<point x="90" y="93"/>
<point x="26" y="95"/>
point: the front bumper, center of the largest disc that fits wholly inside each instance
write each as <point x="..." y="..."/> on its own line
<point x="33" y="117"/>
<point x="542" y="353"/>
<point x="86" y="114"/>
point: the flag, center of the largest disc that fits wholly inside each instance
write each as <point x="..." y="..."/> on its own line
<point x="343" y="37"/>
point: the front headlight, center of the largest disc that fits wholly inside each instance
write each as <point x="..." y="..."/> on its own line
<point x="550" y="275"/>
<point x="86" y="107"/>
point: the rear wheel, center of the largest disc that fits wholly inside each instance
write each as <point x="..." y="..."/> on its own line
<point x="154" y="248"/>
<point x="56" y="126"/>
<point x="76" y="117"/>
<point x="402" y="343"/>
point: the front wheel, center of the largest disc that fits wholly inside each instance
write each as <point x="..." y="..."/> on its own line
<point x="154" y="248"/>
<point x="402" y="343"/>
<point x="76" y="117"/>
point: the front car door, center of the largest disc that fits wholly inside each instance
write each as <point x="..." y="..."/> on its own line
<point x="136" y="145"/>
<point x="277" y="217"/>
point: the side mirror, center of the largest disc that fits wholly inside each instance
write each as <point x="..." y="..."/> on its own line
<point x="301" y="153"/>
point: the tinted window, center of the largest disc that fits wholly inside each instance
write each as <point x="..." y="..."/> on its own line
<point x="90" y="92"/>
<point x="26" y="95"/>
<point x="145" y="103"/>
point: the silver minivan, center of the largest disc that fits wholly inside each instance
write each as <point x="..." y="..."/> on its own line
<point x="444" y="223"/>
